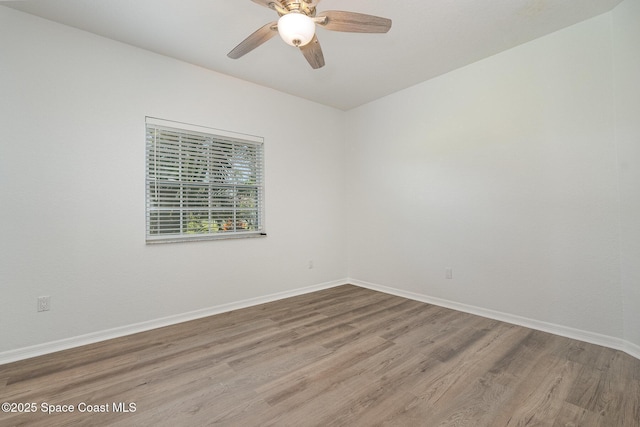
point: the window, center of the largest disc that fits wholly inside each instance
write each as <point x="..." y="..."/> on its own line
<point x="202" y="183"/>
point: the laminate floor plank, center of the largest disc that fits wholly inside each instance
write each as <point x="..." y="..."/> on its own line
<point x="321" y="385"/>
<point x="550" y="384"/>
<point x="343" y="364"/>
<point x="345" y="356"/>
<point x="573" y="416"/>
<point x="373" y="323"/>
<point x="446" y="381"/>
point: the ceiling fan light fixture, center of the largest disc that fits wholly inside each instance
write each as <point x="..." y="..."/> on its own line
<point x="296" y="28"/>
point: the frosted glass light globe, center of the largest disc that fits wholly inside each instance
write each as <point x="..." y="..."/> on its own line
<point x="296" y="28"/>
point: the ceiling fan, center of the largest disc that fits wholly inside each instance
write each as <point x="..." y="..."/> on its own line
<point x="297" y="24"/>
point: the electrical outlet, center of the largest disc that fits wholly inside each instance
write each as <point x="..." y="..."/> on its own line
<point x="448" y="273"/>
<point x="44" y="303"/>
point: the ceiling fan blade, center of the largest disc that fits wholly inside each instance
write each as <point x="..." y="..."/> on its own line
<point x="352" y="22"/>
<point x="313" y="52"/>
<point x="254" y="40"/>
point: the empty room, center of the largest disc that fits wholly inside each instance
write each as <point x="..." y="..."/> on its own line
<point x="312" y="213"/>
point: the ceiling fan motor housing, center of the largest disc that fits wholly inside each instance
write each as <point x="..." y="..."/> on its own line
<point x="307" y="7"/>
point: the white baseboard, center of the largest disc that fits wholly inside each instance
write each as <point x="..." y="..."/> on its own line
<point x="67" y="343"/>
<point x="565" y="331"/>
<point x="632" y="349"/>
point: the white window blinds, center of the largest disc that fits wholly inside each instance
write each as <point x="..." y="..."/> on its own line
<point x="202" y="183"/>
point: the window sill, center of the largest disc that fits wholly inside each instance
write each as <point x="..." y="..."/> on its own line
<point x="203" y="238"/>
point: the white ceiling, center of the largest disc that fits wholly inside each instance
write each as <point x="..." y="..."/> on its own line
<point x="428" y="38"/>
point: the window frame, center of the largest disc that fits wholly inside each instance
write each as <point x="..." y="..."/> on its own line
<point x="225" y="145"/>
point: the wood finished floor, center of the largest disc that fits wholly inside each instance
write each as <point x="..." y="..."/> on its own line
<point x="345" y="356"/>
